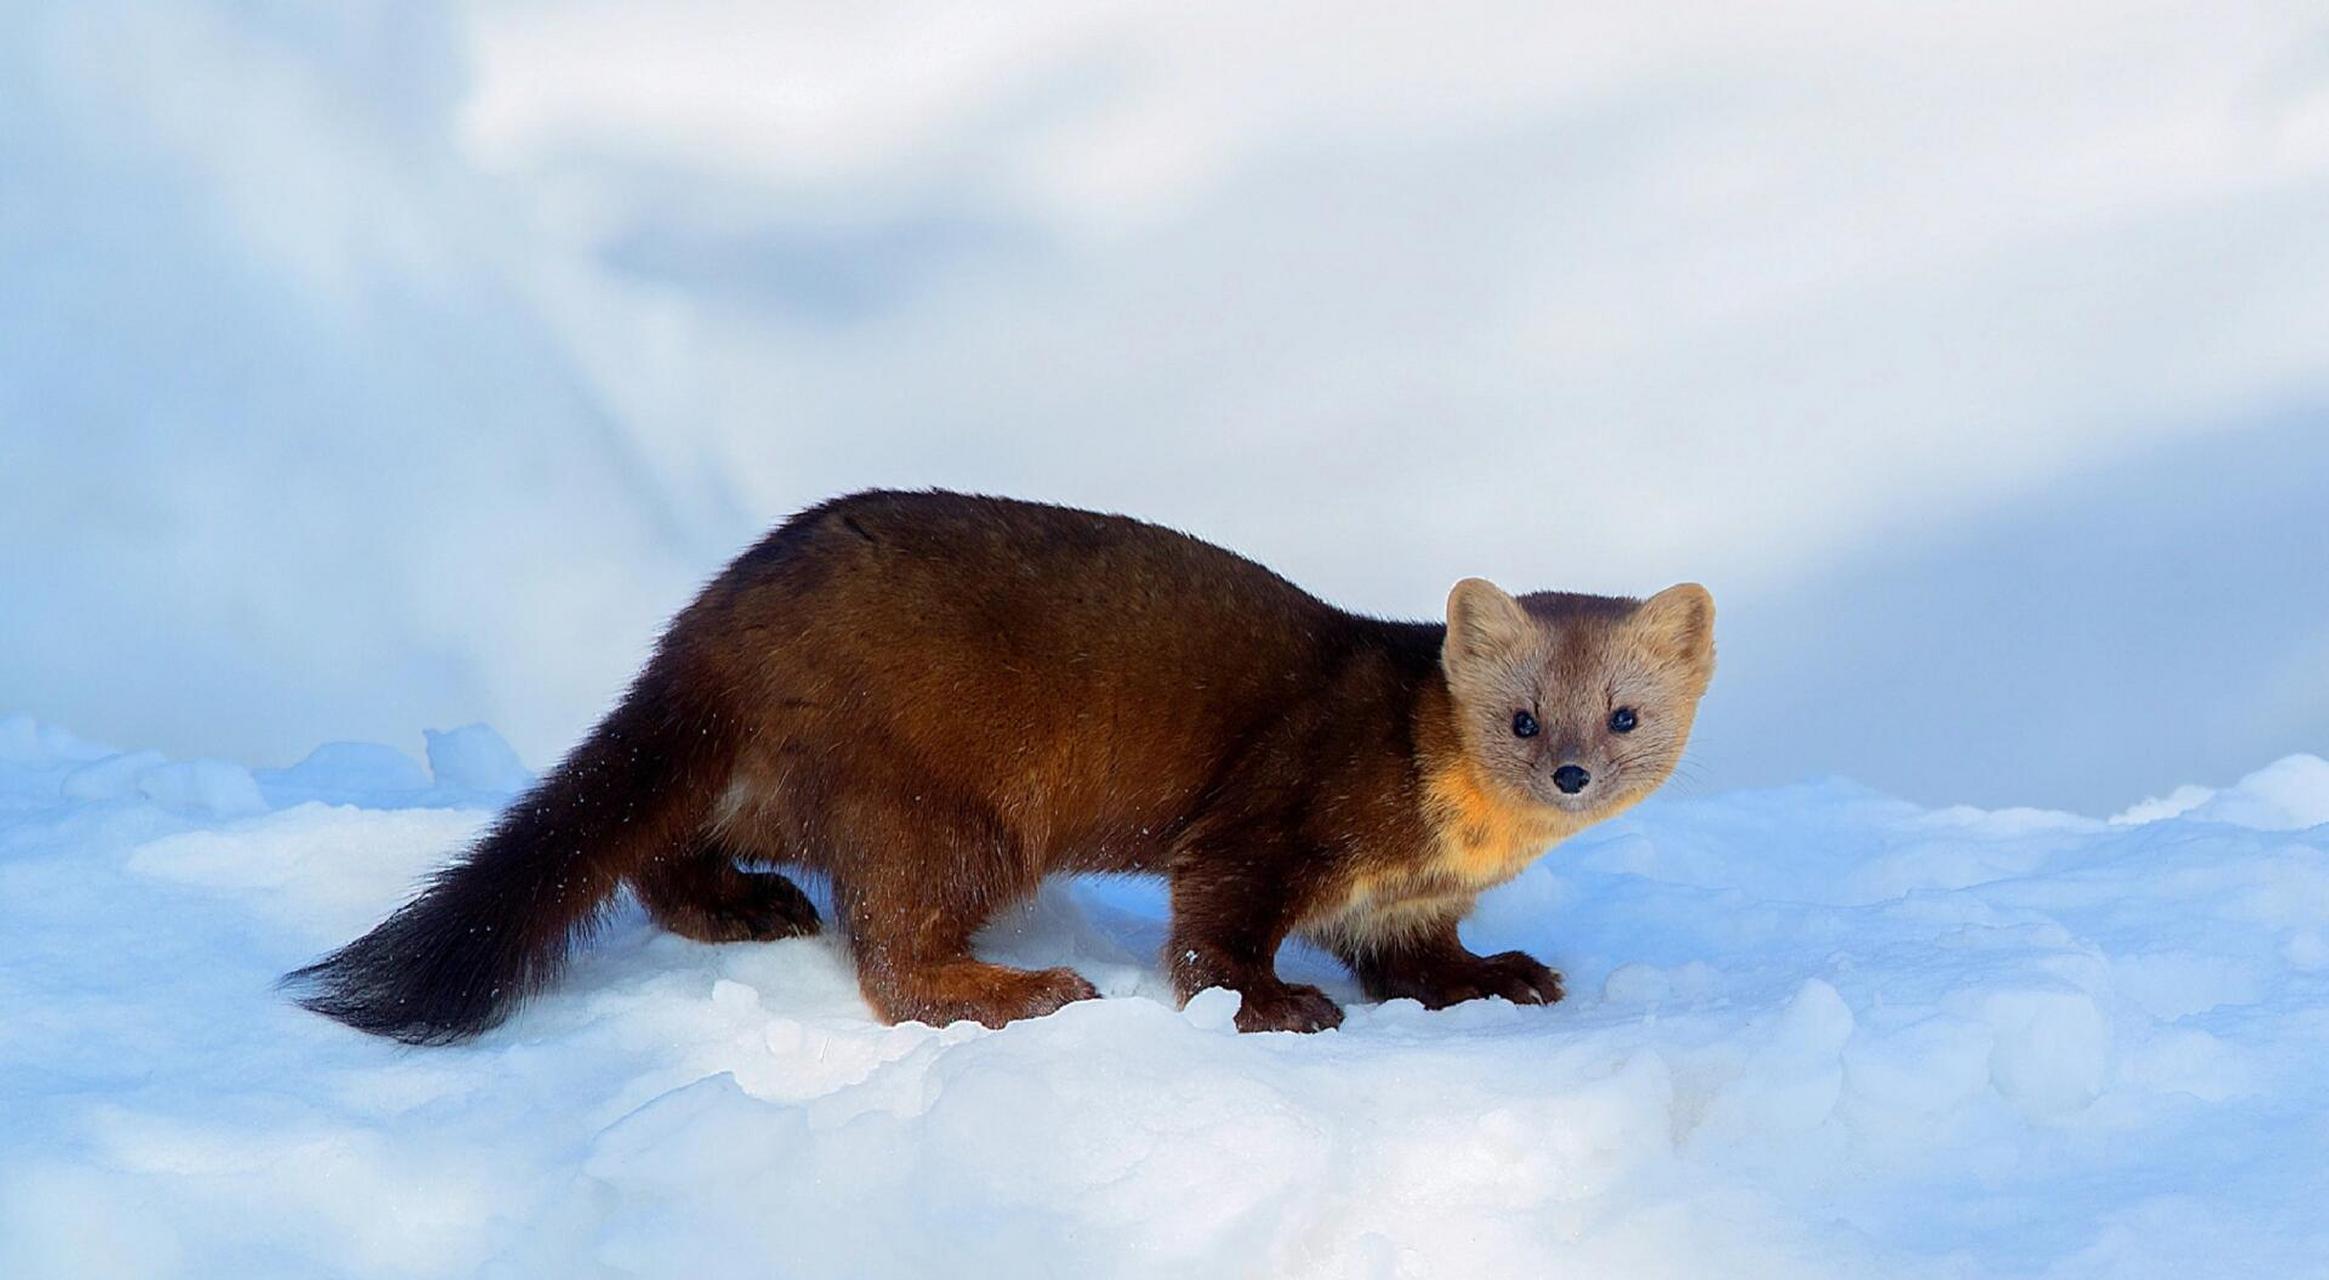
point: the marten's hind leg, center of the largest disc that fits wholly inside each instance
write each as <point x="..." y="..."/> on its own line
<point x="911" y="893"/>
<point x="699" y="892"/>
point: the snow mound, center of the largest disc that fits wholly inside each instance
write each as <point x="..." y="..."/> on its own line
<point x="1814" y="1032"/>
<point x="474" y="758"/>
<point x="2289" y="794"/>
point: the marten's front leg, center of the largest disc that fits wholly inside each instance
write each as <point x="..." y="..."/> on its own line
<point x="1228" y="919"/>
<point x="1430" y="964"/>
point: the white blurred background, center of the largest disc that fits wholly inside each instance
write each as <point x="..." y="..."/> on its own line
<point x="373" y="366"/>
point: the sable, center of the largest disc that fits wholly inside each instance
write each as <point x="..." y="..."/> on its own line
<point x="938" y="699"/>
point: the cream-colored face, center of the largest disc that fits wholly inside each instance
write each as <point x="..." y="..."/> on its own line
<point x="1577" y="703"/>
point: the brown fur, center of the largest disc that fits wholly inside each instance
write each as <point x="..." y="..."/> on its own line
<point x="938" y="700"/>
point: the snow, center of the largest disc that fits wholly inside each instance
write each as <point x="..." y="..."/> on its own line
<point x="2286" y="795"/>
<point x="1813" y="1031"/>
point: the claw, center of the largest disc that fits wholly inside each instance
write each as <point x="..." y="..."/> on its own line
<point x="1287" y="1007"/>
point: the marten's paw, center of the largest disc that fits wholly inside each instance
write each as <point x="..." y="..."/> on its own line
<point x="743" y="906"/>
<point x="1047" y="991"/>
<point x="1515" y="975"/>
<point x="973" y="990"/>
<point x="1287" y="1006"/>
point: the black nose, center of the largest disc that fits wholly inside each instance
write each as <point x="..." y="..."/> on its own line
<point x="1571" y="779"/>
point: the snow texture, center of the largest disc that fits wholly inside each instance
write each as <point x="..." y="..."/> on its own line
<point x="1813" y="1031"/>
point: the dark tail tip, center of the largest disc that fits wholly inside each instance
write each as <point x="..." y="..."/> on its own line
<point x="493" y="928"/>
<point x="424" y="976"/>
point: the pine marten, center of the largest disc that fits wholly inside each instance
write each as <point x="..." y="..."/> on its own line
<point x="938" y="699"/>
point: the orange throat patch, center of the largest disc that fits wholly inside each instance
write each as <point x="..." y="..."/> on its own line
<point x="1484" y="837"/>
<point x="1480" y="838"/>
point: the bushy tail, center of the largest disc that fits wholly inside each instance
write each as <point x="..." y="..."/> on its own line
<point x="495" y="927"/>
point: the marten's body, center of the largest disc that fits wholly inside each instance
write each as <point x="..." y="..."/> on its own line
<point x="937" y="700"/>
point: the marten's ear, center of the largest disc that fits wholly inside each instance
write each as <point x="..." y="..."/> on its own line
<point x="1678" y="624"/>
<point x="1482" y="622"/>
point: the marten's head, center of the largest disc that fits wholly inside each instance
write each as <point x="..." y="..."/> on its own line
<point x="1576" y="703"/>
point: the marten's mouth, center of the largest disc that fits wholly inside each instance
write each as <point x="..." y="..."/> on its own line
<point x="1597" y="796"/>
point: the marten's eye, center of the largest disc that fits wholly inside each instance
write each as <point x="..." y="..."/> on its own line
<point x="1622" y="720"/>
<point x="1523" y="725"/>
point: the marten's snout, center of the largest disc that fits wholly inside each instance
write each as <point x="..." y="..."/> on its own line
<point x="1571" y="779"/>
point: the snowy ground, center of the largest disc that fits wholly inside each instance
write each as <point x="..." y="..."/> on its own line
<point x="1813" y="1031"/>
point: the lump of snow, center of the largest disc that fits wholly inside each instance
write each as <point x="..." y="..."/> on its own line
<point x="2290" y="794"/>
<point x="200" y="786"/>
<point x="475" y="758"/>
<point x="1650" y="987"/>
<point x="2051" y="1051"/>
<point x="1932" y="1066"/>
<point x="329" y="871"/>
<point x="2182" y="800"/>
<point x="1792" y="1075"/>
<point x="1639" y="984"/>
<point x="1213" y="1009"/>
<point x="112" y="778"/>
<point x="349" y="770"/>
<point x="206" y="786"/>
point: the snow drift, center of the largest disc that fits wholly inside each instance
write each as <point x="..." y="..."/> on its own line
<point x="1814" y="1031"/>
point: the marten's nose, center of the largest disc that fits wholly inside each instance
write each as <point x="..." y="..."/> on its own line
<point x="1571" y="779"/>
